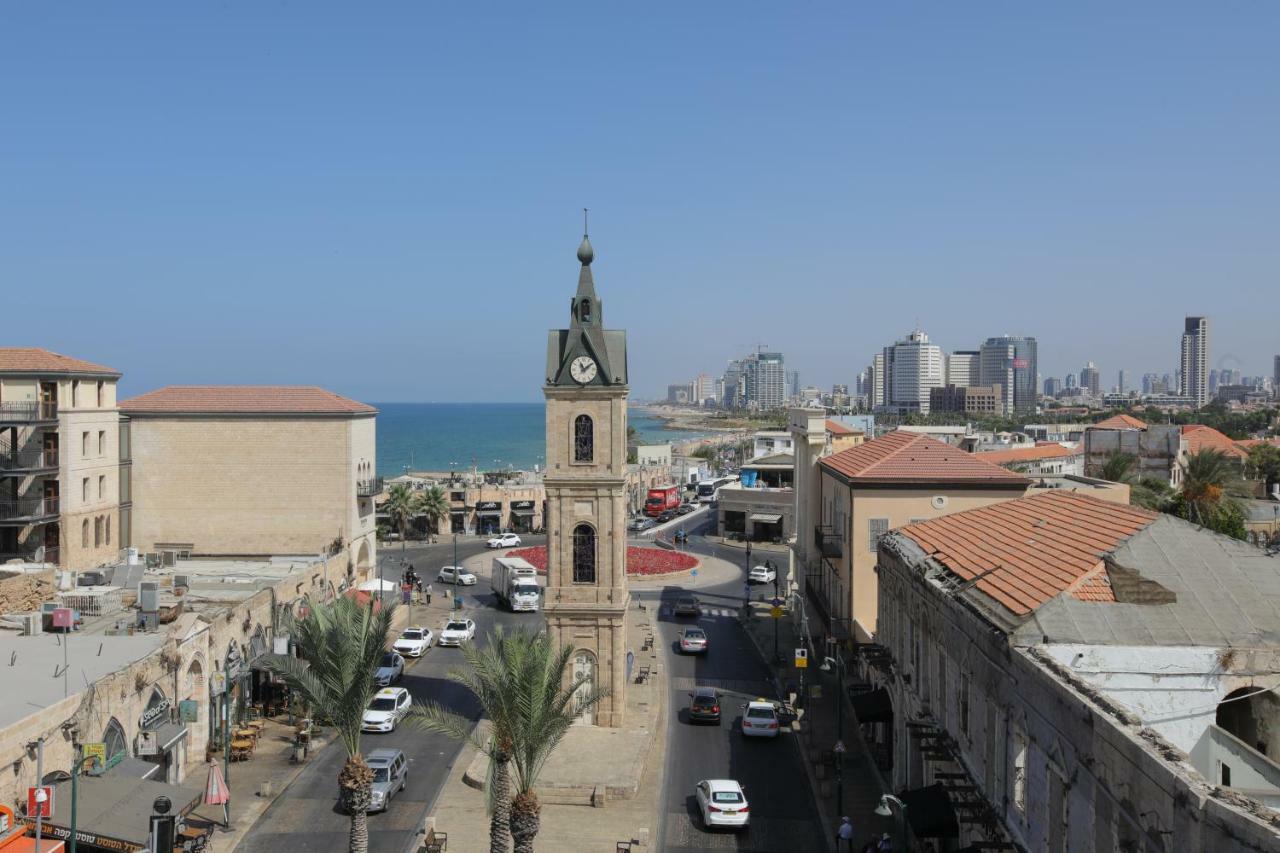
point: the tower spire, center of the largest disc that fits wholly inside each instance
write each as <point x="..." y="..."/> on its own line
<point x="585" y="253"/>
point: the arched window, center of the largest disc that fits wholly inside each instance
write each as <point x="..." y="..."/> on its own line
<point x="117" y="747"/>
<point x="84" y="534"/>
<point x="97" y="531"/>
<point x="583" y="439"/>
<point x="584" y="311"/>
<point x="107" y="527"/>
<point x="584" y="554"/>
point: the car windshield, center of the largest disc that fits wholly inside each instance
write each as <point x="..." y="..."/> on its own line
<point x="411" y="635"/>
<point x="456" y="626"/>
<point x="726" y="797"/>
<point x="760" y="713"/>
<point x="381" y="774"/>
<point x="704" y="700"/>
<point x="694" y="635"/>
<point x="387" y="704"/>
<point x="388" y="659"/>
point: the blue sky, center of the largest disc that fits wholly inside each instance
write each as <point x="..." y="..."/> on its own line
<point x="384" y="198"/>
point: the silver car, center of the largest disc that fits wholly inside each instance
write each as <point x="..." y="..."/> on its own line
<point x="390" y="773"/>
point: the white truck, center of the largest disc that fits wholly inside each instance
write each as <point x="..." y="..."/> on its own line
<point x="515" y="583"/>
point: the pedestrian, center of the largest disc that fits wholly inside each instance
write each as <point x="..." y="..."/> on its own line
<point x="885" y="845"/>
<point x="844" y="835"/>
<point x="428" y="593"/>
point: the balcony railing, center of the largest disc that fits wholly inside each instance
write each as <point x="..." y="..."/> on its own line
<point x="28" y="509"/>
<point x="27" y="460"/>
<point x="369" y="488"/>
<point x="28" y="412"/>
<point x="827" y="542"/>
<point x="43" y="554"/>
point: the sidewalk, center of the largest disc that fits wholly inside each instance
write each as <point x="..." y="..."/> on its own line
<point x="571" y="822"/>
<point x="818" y="730"/>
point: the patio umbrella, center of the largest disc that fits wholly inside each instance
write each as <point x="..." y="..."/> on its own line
<point x="216" y="792"/>
<point x="376" y="585"/>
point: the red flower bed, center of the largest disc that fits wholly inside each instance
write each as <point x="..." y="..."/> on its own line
<point x="640" y="561"/>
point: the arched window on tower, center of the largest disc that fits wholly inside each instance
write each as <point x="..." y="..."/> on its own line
<point x="584" y="311"/>
<point x="584" y="554"/>
<point x="583" y="439"/>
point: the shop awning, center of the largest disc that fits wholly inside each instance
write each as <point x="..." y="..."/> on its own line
<point x="874" y="706"/>
<point x="494" y="512"/>
<point x="930" y="813"/>
<point x="766" y="517"/>
<point x="114" y="812"/>
<point x="169" y="734"/>
<point x="524" y="512"/>
<point x="134" y="768"/>
<point x="457" y="510"/>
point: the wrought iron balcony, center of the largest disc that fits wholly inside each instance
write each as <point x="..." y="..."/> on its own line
<point x="27" y="461"/>
<point x="43" y="554"/>
<point x="369" y="488"/>
<point x="28" y="510"/>
<point x="28" y="412"/>
<point x="828" y="542"/>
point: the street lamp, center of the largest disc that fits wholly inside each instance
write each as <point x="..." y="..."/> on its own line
<point x="837" y="663"/>
<point x="884" y="811"/>
<point x="81" y="760"/>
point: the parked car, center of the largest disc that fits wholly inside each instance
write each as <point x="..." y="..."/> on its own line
<point x="457" y="631"/>
<point x="760" y="719"/>
<point x="722" y="803"/>
<point x="456" y="575"/>
<point x="390" y="773"/>
<point x="693" y="641"/>
<point x="639" y="524"/>
<point x="685" y="509"/>
<point x="687" y="605"/>
<point x="413" y="642"/>
<point x="666" y="516"/>
<point x="704" y="706"/>
<point x="390" y="669"/>
<point x="504" y="540"/>
<point x="762" y="574"/>
<point x="387" y="708"/>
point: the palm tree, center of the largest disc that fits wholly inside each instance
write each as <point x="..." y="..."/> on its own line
<point x="1118" y="467"/>
<point x="401" y="506"/>
<point x="1211" y="489"/>
<point x="434" y="505"/>
<point x="341" y="642"/>
<point x="519" y="679"/>
<point x="1147" y="492"/>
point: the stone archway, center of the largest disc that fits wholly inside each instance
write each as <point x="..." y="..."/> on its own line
<point x="362" y="559"/>
<point x="584" y="668"/>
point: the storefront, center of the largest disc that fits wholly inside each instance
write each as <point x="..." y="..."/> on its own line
<point x="161" y="739"/>
<point x="228" y="694"/>
<point x="488" y="517"/>
<point x="458" y="519"/>
<point x="113" y="813"/>
<point x="522" y="516"/>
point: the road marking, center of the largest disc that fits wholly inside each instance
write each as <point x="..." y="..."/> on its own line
<point x="729" y="685"/>
<point x="763" y="836"/>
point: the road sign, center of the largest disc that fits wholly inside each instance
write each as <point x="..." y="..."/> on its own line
<point x="45" y="808"/>
<point x="775" y="612"/>
<point x="802" y="658"/>
<point x="777" y="602"/>
<point x="693" y="574"/>
<point x="96" y="750"/>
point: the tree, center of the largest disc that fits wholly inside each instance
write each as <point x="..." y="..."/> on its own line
<point x="519" y="679"/>
<point x="341" y="642"/>
<point x="1264" y="464"/>
<point x="434" y="505"/>
<point x="1118" y="467"/>
<point x="1211" y="493"/>
<point x="401" y="507"/>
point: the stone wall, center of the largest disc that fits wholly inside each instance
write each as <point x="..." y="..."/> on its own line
<point x="24" y="593"/>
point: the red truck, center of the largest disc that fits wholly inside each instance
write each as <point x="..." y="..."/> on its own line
<point x="661" y="499"/>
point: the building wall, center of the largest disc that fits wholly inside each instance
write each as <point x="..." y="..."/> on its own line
<point x="89" y="457"/>
<point x="1052" y="763"/>
<point x="247" y="485"/>
<point x="748" y="501"/>
<point x="1159" y="450"/>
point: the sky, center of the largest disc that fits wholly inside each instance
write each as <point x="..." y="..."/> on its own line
<point x="385" y="199"/>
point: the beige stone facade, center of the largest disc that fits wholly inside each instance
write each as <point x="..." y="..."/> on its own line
<point x="252" y="482"/>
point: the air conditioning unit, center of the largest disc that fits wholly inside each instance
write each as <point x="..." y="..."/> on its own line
<point x="148" y="596"/>
<point x="32" y="624"/>
<point x="168" y="559"/>
<point x="131" y="556"/>
<point x="183" y="581"/>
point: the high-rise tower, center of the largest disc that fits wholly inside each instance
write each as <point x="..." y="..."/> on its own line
<point x="1195" y="361"/>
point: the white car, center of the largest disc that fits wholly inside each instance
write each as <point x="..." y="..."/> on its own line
<point x="693" y="641"/>
<point x="759" y="719"/>
<point x="722" y="803"/>
<point x="506" y="540"/>
<point x="390" y="669"/>
<point x="389" y="706"/>
<point x="456" y="574"/>
<point x="456" y="632"/>
<point x="762" y="574"/>
<point x="413" y="642"/>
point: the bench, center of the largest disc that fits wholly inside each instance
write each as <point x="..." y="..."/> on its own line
<point x="648" y="643"/>
<point x="435" y="842"/>
<point x="643" y="675"/>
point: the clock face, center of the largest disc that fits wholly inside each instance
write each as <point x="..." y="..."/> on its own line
<point x="583" y="369"/>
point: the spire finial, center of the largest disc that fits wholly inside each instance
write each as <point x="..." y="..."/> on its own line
<point x="585" y="253"/>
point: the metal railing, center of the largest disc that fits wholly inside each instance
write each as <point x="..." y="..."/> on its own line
<point x="32" y="509"/>
<point x="828" y="542"/>
<point x="28" y="460"/>
<point x="369" y="488"/>
<point x="29" y="411"/>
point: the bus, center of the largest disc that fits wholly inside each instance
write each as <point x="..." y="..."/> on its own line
<point x="709" y="490"/>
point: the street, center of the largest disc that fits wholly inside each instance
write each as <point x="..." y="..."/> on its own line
<point x="306" y="816"/>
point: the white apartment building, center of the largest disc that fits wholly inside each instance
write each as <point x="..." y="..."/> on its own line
<point x="1195" y="360"/>
<point x="962" y="368"/>
<point x="913" y="367"/>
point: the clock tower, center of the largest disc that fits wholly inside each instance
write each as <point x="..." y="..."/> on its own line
<point x="586" y="391"/>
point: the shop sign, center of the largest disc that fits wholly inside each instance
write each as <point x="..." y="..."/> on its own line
<point x="45" y="809"/>
<point x="188" y="711"/>
<point x="156" y="713"/>
<point x="488" y="506"/>
<point x="235" y="662"/>
<point x="217" y="684"/>
<point x="95" y="750"/>
<point x="100" y="841"/>
<point x="148" y="744"/>
<point x="522" y="504"/>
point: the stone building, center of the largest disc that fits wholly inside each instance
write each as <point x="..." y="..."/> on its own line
<point x="1060" y="672"/>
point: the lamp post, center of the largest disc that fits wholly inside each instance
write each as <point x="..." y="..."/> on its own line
<point x="455" y="570"/>
<point x="776" y="597"/>
<point x="884" y="811"/>
<point x="838" y="749"/>
<point x="838" y="660"/>
<point x="746" y="583"/>
<point x="80" y="760"/>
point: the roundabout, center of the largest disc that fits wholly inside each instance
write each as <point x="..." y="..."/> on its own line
<point x="641" y="561"/>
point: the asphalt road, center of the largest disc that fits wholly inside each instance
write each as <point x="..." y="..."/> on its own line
<point x="306" y="817"/>
<point x="783" y="815"/>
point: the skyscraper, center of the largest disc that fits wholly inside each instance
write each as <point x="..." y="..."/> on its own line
<point x="877" y="380"/>
<point x="962" y="368"/>
<point x="1275" y="380"/>
<point x="1121" y="385"/>
<point x="1010" y="362"/>
<point x="913" y="367"/>
<point x="1195" y="361"/>
<point x="731" y="393"/>
<point x="1052" y="386"/>
<point x="765" y="380"/>
<point x="1070" y="382"/>
<point x="1091" y="379"/>
<point x="793" y="384"/>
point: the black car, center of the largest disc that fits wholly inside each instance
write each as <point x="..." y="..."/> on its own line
<point x="685" y="509"/>
<point x="666" y="516"/>
<point x="705" y="705"/>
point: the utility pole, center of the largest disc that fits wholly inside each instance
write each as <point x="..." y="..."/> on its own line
<point x="39" y="791"/>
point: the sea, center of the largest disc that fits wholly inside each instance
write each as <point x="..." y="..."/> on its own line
<point x="448" y="436"/>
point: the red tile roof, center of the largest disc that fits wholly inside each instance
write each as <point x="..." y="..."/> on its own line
<point x="837" y="428"/>
<point x="244" y="399"/>
<point x="1120" y="422"/>
<point x="909" y="457"/>
<point x="1200" y="437"/>
<point x="1051" y="450"/>
<point x="1031" y="549"/>
<point x="36" y="360"/>
<point x="1250" y="443"/>
<point x="1094" y="587"/>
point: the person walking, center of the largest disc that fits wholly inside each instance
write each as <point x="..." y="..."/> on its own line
<point x="844" y="835"/>
<point x="428" y="593"/>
